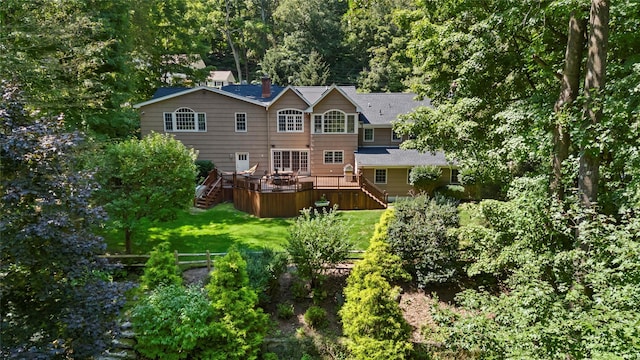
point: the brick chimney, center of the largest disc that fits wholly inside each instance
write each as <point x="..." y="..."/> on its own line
<point x="266" y="87"/>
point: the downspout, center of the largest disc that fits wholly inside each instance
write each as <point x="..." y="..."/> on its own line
<point x="269" y="165"/>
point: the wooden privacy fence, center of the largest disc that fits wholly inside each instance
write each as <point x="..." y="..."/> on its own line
<point x="133" y="260"/>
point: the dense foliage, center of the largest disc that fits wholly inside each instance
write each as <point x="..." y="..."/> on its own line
<point x="264" y="268"/>
<point x="419" y="234"/>
<point x="149" y="178"/>
<point x="56" y="299"/>
<point x="318" y="239"/>
<point x="172" y="322"/>
<point x="371" y="317"/>
<point x="424" y="177"/>
<point x="238" y="325"/>
<point x="563" y="300"/>
<point x="160" y="269"/>
<point x="221" y="322"/>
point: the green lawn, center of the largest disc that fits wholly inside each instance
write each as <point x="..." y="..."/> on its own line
<point x="218" y="228"/>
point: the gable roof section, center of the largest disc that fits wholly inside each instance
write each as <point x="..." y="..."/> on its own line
<point x="283" y="92"/>
<point x="248" y="95"/>
<point x="396" y="157"/>
<point x="314" y="98"/>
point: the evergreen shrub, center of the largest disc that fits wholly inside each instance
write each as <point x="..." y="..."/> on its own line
<point x="160" y="269"/>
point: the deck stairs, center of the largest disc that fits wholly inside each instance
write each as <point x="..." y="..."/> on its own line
<point x="373" y="192"/>
<point x="209" y="192"/>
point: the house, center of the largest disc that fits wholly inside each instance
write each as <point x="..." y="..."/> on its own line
<point x="178" y="64"/>
<point x="312" y="130"/>
<point x="218" y="79"/>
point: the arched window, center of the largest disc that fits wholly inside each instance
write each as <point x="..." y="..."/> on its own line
<point x="290" y="120"/>
<point x="334" y="122"/>
<point x="185" y="119"/>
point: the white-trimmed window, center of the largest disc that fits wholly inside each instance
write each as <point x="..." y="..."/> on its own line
<point x="333" y="157"/>
<point x="395" y="137"/>
<point x="290" y="120"/>
<point x="334" y="122"/>
<point x="368" y="135"/>
<point x="380" y="176"/>
<point x="241" y="122"/>
<point x="185" y="119"/>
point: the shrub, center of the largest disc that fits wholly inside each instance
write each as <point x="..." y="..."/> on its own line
<point x="238" y="326"/>
<point x="203" y="167"/>
<point x="316" y="317"/>
<point x="171" y="323"/>
<point x="371" y="317"/>
<point x="318" y="239"/>
<point x="424" y="178"/>
<point x="285" y="311"/>
<point x="419" y="235"/>
<point x="160" y="269"/>
<point x="264" y="269"/>
<point x="456" y="192"/>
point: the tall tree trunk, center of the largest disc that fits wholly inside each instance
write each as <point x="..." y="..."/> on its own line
<point x="234" y="50"/>
<point x="589" y="169"/>
<point x="568" y="93"/>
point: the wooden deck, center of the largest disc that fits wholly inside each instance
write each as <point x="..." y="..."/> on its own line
<point x="270" y="197"/>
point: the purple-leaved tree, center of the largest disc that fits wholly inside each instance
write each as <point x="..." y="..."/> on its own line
<point x="56" y="299"/>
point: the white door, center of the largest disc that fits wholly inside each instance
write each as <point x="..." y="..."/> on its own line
<point x="242" y="161"/>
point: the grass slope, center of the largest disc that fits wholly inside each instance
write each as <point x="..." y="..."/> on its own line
<point x="218" y="228"/>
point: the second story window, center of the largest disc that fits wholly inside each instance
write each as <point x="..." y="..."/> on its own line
<point x="290" y="120"/>
<point x="241" y="122"/>
<point x="185" y="119"/>
<point x="333" y="157"/>
<point x="334" y="122"/>
<point x="368" y="135"/>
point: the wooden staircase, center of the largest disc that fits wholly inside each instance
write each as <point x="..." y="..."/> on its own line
<point x="209" y="192"/>
<point x="373" y="191"/>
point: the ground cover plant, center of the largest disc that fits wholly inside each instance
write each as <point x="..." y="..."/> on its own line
<point x="218" y="228"/>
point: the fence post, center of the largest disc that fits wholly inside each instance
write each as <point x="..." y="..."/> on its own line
<point x="208" y="261"/>
<point x="175" y="253"/>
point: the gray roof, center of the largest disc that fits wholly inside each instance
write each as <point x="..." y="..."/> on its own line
<point x="376" y="108"/>
<point x="396" y="157"/>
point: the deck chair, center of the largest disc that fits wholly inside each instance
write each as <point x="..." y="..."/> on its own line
<point x="250" y="170"/>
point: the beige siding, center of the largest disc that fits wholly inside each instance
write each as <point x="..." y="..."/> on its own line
<point x="220" y="142"/>
<point x="381" y="137"/>
<point x="289" y="140"/>
<point x="397" y="180"/>
<point x="322" y="142"/>
<point x="334" y="100"/>
<point x="328" y="142"/>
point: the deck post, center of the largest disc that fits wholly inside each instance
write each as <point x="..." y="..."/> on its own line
<point x="208" y="261"/>
<point x="175" y="254"/>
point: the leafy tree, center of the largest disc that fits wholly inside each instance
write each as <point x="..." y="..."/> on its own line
<point x="548" y="311"/>
<point x="149" y="178"/>
<point x="84" y="50"/>
<point x="172" y="322"/>
<point x="160" y="269"/>
<point x="419" y="235"/>
<point x="424" y="177"/>
<point x="316" y="240"/>
<point x="238" y="325"/>
<point x="57" y="300"/>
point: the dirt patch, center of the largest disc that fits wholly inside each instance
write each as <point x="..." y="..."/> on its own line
<point x="416" y="304"/>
